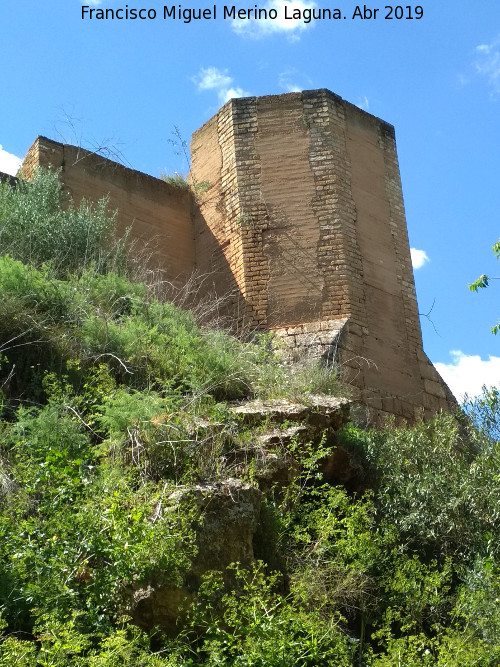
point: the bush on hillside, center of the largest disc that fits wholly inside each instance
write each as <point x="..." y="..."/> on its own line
<point x="39" y="224"/>
<point x="112" y="398"/>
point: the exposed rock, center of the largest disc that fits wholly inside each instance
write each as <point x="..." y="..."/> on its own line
<point x="269" y="465"/>
<point x="229" y="514"/>
<point x="275" y="470"/>
<point x="320" y="413"/>
<point x="340" y="467"/>
<point x="328" y="411"/>
<point x="272" y="462"/>
<point x="279" y="410"/>
<point x="283" y="436"/>
<point x="231" y="517"/>
<point x="160" y="606"/>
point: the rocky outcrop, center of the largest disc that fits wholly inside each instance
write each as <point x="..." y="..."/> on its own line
<point x="319" y="413"/>
<point x="228" y="519"/>
<point x="230" y="515"/>
<point x="283" y="423"/>
<point x="340" y="468"/>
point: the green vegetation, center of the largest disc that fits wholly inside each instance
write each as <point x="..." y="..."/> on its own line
<point x="198" y="189"/>
<point x="111" y="400"/>
<point x="484" y="280"/>
<point x="180" y="146"/>
<point x="175" y="179"/>
<point x="38" y="225"/>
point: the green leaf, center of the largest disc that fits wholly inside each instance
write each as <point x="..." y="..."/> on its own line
<point x="481" y="282"/>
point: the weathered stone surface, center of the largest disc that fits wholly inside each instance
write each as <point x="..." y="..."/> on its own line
<point x="277" y="410"/>
<point x="229" y="513"/>
<point x="328" y="411"/>
<point x="340" y="467"/>
<point x="229" y="516"/>
<point x="272" y="463"/>
<point x="160" y="606"/>
<point x="275" y="470"/>
<point x="322" y="412"/>
<point x="268" y="460"/>
<point x="317" y="340"/>
<point x="283" y="437"/>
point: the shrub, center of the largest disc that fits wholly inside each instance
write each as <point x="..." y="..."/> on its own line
<point x="77" y="532"/>
<point x="430" y="485"/>
<point x="39" y="225"/>
<point x="484" y="414"/>
<point x="175" y="179"/>
<point x="254" y="626"/>
<point x="94" y="318"/>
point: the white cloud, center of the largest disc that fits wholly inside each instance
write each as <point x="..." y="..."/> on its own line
<point x="9" y="163"/>
<point x="226" y="94"/>
<point x="292" y="88"/>
<point x="467" y="374"/>
<point x="364" y="104"/>
<point x="287" y="81"/>
<point x="212" y="78"/>
<point x="292" y="80"/>
<point x="487" y="63"/>
<point x="262" y="27"/>
<point x="419" y="258"/>
<point x="209" y="78"/>
<point x="92" y="2"/>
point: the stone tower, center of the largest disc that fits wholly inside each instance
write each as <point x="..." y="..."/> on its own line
<point x="298" y="211"/>
<point x="305" y="214"/>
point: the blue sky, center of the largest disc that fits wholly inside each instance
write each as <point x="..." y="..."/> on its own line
<point x="126" y="84"/>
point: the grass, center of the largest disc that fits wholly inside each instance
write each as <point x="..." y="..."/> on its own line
<point x="175" y="179"/>
<point x="112" y="396"/>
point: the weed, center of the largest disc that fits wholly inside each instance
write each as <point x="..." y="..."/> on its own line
<point x="176" y="180"/>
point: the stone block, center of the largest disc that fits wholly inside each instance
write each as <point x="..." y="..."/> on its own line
<point x="435" y="388"/>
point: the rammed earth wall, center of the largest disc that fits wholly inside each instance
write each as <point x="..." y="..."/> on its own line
<point x="303" y="221"/>
<point x="158" y="214"/>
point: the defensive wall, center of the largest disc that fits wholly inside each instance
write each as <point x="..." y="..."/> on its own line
<point x="158" y="214"/>
<point x="302" y="215"/>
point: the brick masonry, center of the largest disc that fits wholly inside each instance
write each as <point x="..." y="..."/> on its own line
<point x="303" y="223"/>
<point x="306" y="202"/>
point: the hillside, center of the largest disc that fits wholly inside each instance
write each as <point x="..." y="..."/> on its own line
<point x="170" y="495"/>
